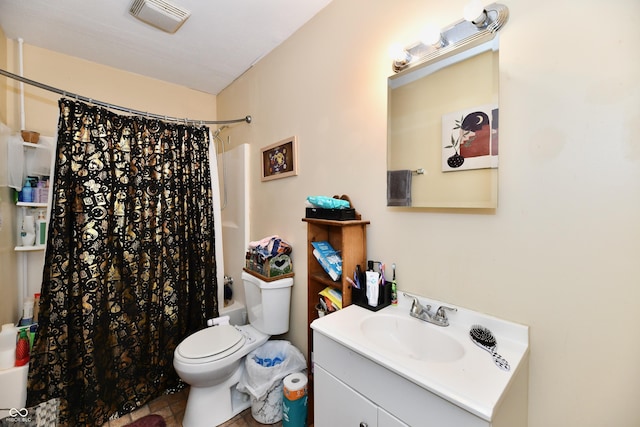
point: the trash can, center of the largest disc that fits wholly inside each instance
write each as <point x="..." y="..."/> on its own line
<point x="262" y="379"/>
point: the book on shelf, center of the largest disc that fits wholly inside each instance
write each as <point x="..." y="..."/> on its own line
<point x="332" y="298"/>
<point x="328" y="258"/>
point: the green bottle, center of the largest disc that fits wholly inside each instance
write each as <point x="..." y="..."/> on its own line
<point x="394" y="289"/>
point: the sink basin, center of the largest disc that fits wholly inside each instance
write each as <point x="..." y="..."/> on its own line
<point x="413" y="338"/>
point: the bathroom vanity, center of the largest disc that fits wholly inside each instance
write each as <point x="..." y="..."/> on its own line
<point x="388" y="369"/>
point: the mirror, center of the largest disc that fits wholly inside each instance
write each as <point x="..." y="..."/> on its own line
<point x="442" y="130"/>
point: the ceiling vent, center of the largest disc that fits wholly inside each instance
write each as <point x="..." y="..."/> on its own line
<point x="159" y="13"/>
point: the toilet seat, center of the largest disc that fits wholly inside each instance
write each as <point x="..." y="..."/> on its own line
<point x="213" y="343"/>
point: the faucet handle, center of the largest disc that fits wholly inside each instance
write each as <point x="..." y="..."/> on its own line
<point x="416" y="307"/>
<point x="441" y="313"/>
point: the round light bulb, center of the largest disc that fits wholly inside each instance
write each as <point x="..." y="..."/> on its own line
<point x="431" y="36"/>
<point x="398" y="54"/>
<point x="474" y="12"/>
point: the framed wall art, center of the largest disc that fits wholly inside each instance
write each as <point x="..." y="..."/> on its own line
<point x="280" y="160"/>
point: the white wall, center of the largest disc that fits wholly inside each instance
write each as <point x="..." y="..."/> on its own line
<point x="560" y="253"/>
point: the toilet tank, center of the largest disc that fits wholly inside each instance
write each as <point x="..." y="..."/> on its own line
<point x="268" y="303"/>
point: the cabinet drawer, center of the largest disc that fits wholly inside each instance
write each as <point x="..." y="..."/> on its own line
<point x="339" y="405"/>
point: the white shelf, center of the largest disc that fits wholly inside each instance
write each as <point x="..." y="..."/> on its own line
<point x="29" y="248"/>
<point x="32" y="205"/>
<point x="32" y="145"/>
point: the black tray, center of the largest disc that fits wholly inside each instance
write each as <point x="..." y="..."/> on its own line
<point x="332" y="214"/>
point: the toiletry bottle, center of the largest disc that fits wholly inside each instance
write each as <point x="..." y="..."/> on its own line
<point x="22" y="349"/>
<point x="33" y="329"/>
<point x="28" y="231"/>
<point x="394" y="294"/>
<point x="36" y="307"/>
<point x="394" y="288"/>
<point x="37" y="195"/>
<point x="373" y="290"/>
<point x="27" y="192"/>
<point x="44" y="192"/>
<point x="41" y="229"/>
<point x="27" y="312"/>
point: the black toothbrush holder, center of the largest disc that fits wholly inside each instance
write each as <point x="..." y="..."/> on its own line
<point x="359" y="296"/>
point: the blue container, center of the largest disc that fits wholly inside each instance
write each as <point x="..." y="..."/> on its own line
<point x="27" y="193"/>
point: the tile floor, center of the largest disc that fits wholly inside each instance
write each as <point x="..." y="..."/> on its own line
<point x="172" y="406"/>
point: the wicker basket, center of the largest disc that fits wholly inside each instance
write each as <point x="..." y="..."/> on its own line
<point x="30" y="136"/>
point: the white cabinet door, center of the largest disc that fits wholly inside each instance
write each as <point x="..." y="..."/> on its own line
<point x="385" y="419"/>
<point x="336" y="404"/>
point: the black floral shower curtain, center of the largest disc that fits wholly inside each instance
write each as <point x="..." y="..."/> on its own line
<point x="129" y="266"/>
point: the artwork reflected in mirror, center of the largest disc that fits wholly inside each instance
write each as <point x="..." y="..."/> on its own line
<point x="470" y="139"/>
<point x="443" y="132"/>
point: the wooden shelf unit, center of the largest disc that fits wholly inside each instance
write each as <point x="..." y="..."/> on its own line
<point x="350" y="239"/>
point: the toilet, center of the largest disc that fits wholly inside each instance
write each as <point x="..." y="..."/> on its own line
<point x="211" y="360"/>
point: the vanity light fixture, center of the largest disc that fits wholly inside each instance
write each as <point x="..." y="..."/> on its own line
<point x="479" y="26"/>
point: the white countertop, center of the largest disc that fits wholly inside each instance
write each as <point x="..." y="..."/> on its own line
<point x="472" y="382"/>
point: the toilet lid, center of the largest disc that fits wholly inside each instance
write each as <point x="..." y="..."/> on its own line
<point x="210" y="341"/>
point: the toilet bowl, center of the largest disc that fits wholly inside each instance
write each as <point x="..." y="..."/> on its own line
<point x="211" y="360"/>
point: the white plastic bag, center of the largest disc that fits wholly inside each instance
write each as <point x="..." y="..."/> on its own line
<point x="284" y="358"/>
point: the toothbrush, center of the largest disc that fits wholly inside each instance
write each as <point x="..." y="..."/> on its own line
<point x="352" y="283"/>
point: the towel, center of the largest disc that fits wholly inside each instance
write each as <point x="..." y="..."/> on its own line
<point x="15" y="158"/>
<point x="270" y="247"/>
<point x="38" y="161"/>
<point x="399" y="188"/>
<point x="23" y="162"/>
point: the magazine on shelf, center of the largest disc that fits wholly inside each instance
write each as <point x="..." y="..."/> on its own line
<point x="328" y="258"/>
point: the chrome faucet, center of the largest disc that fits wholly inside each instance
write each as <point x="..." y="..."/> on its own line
<point x="423" y="312"/>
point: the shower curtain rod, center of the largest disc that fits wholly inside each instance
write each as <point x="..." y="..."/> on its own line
<point x="117" y="107"/>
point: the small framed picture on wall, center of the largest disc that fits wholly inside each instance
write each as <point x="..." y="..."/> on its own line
<point x="280" y="160"/>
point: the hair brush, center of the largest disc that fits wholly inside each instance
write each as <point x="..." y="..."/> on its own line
<point x="485" y="339"/>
